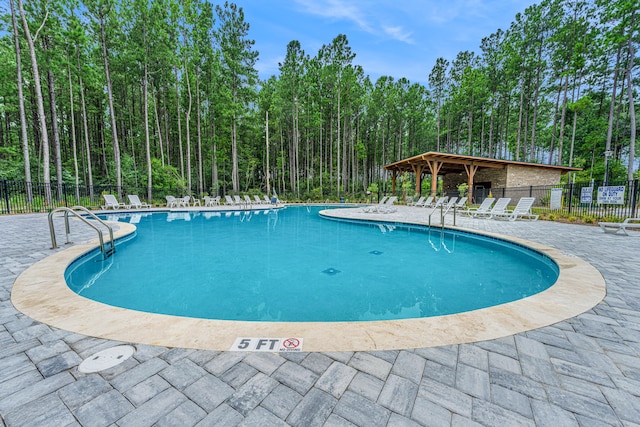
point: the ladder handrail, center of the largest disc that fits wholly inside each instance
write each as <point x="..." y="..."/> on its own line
<point x="73" y="210"/>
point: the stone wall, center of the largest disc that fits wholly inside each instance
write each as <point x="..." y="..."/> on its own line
<point x="512" y="176"/>
<point x="522" y="176"/>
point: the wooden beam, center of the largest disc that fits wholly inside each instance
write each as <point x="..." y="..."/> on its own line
<point x="434" y="167"/>
<point x="471" y="171"/>
<point x="417" y="169"/>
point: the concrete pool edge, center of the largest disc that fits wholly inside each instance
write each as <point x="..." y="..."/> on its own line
<point x="41" y="293"/>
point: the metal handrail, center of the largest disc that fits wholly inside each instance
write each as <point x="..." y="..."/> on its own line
<point x="73" y="210"/>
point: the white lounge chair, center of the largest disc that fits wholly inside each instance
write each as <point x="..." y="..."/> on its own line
<point x="386" y="207"/>
<point x="135" y="202"/>
<point x="373" y="208"/>
<point x="248" y="200"/>
<point x="426" y="202"/>
<point x="484" y="208"/>
<point x="238" y="201"/>
<point x="438" y="202"/>
<point x="420" y="202"/>
<point x="183" y="201"/>
<point x="449" y="205"/>
<point x="172" y="202"/>
<point x="614" y="227"/>
<point x="211" y="201"/>
<point x="499" y="208"/>
<point x="110" y="202"/>
<point x="521" y="211"/>
<point x="267" y="200"/>
<point x="229" y="201"/>
<point x="258" y="201"/>
<point x="461" y="203"/>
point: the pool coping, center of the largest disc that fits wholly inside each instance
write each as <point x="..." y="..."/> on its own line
<point x="42" y="293"/>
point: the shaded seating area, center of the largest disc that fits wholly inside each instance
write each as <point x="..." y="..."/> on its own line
<point x="614" y="227"/>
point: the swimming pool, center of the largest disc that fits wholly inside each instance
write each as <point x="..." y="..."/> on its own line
<point x="293" y="266"/>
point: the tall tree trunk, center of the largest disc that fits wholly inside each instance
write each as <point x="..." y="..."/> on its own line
<point x="632" y="112"/>
<point x="23" y="116"/>
<point x="73" y="134"/>
<point x="607" y="149"/>
<point x="179" y="126"/>
<point x="112" y="112"/>
<point x="85" y="127"/>
<point x="147" y="139"/>
<point x="54" y="123"/>
<point x="44" y="139"/>
<point x="199" y="136"/>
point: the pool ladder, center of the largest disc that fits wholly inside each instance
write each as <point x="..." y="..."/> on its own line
<point x="107" y="250"/>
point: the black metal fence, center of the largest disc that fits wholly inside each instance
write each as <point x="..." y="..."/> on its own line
<point x="617" y="199"/>
<point x="25" y="197"/>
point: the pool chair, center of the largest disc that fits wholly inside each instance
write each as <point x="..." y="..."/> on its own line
<point x="229" y="201"/>
<point x="499" y="208"/>
<point x="110" y="202"/>
<point x="521" y="211"/>
<point x="386" y="207"/>
<point x="461" y="203"/>
<point x="425" y="202"/>
<point x="614" y="227"/>
<point x="237" y="200"/>
<point x="248" y="200"/>
<point x="420" y="202"/>
<point x="446" y="207"/>
<point x="259" y="201"/>
<point x="440" y="201"/>
<point x="183" y="201"/>
<point x="211" y="201"/>
<point x="374" y="208"/>
<point x="135" y="202"/>
<point x="484" y="208"/>
<point x="172" y="202"/>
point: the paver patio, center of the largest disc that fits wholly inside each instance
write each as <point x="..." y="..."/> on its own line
<point x="584" y="371"/>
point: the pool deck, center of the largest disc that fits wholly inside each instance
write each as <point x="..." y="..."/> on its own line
<point x="581" y="371"/>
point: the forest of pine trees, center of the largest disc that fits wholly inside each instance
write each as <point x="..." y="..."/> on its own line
<point x="164" y="94"/>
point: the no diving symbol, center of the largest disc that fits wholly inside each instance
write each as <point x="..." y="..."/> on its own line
<point x="291" y="343"/>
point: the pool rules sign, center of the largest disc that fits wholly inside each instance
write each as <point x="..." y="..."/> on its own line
<point x="267" y="344"/>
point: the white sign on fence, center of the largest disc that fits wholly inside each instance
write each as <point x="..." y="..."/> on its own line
<point x="612" y="195"/>
<point x="556" y="198"/>
<point x="586" y="196"/>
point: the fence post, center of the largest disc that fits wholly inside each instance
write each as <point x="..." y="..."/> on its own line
<point x="570" y="198"/>
<point x="5" y="190"/>
<point x="634" y="198"/>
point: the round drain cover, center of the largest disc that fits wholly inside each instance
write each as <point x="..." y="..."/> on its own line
<point x="106" y="359"/>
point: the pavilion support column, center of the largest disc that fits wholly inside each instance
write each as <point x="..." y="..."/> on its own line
<point x="471" y="171"/>
<point x="417" y="169"/>
<point x="394" y="174"/>
<point x="434" y="167"/>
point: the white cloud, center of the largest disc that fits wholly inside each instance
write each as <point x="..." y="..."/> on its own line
<point x="398" y="33"/>
<point x="336" y="9"/>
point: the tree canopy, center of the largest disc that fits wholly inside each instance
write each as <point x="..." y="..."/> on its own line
<point x="165" y="94"/>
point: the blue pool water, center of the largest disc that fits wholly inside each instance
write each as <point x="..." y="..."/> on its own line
<point x="293" y="265"/>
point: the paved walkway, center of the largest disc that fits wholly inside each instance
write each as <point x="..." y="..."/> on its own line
<point x="584" y="371"/>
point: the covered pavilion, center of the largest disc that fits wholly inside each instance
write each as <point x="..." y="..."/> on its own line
<point x="435" y="164"/>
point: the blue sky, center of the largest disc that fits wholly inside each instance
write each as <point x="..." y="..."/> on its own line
<point x="401" y="38"/>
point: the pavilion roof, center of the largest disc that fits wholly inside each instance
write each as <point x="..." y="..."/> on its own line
<point x="454" y="163"/>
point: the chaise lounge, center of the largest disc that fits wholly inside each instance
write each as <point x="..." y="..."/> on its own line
<point x="614" y="227"/>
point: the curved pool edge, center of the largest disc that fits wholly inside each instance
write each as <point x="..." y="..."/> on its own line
<point x="42" y="293"/>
